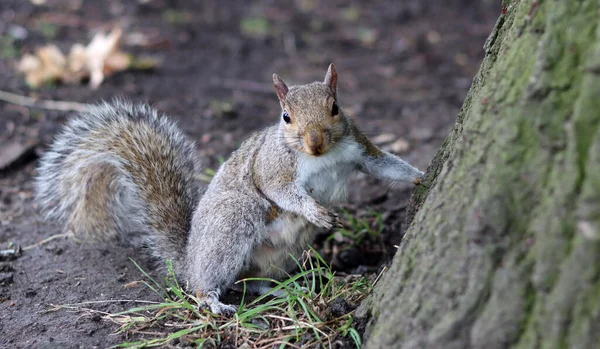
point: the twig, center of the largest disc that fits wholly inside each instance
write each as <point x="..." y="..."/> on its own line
<point x="107" y="301"/>
<point x="379" y="276"/>
<point x="48" y="239"/>
<point x="42" y="104"/>
<point x="76" y="309"/>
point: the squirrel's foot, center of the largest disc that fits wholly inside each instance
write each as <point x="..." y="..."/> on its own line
<point x="418" y="180"/>
<point x="221" y="308"/>
<point x="211" y="301"/>
<point x="324" y="218"/>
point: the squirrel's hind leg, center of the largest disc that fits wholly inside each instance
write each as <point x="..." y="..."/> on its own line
<point x="221" y="244"/>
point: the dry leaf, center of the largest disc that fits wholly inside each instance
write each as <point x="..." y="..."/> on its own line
<point x="48" y="64"/>
<point x="100" y="58"/>
<point x="98" y="51"/>
<point x="116" y="62"/>
<point x="77" y="64"/>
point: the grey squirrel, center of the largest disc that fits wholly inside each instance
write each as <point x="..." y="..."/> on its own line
<point x="122" y="168"/>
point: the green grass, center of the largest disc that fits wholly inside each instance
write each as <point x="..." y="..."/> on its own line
<point x="176" y="17"/>
<point x="8" y="49"/>
<point x="301" y="318"/>
<point x="360" y="227"/>
<point x="255" y="27"/>
<point x="208" y="173"/>
<point x="48" y="30"/>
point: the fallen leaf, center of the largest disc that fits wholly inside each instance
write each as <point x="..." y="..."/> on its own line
<point x="116" y="62"/>
<point x="47" y="65"/>
<point x="97" y="53"/>
<point x="99" y="59"/>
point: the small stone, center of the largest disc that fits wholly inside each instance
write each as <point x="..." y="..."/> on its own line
<point x="6" y="278"/>
<point x="433" y="37"/>
<point x="399" y="146"/>
<point x="6" y="267"/>
<point x="422" y="134"/>
<point x="12" y="152"/>
<point x="384" y="138"/>
<point x="205" y="138"/>
<point x="340" y="307"/>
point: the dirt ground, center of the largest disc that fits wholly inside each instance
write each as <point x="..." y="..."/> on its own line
<point x="404" y="69"/>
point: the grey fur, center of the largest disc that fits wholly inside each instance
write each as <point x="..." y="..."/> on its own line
<point x="263" y="204"/>
<point x="102" y="146"/>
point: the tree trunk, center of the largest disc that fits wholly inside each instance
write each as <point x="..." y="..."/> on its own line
<point x="503" y="249"/>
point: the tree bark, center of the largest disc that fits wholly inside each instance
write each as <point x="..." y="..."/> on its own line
<point x="503" y="249"/>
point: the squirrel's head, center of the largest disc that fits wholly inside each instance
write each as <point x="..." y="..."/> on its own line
<point x="311" y="118"/>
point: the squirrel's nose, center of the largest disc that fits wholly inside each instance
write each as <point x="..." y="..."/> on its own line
<point x="313" y="142"/>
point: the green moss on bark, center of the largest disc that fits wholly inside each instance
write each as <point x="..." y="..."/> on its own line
<point x="503" y="249"/>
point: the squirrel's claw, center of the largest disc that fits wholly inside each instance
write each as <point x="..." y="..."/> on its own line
<point x="324" y="218"/>
<point x="222" y="309"/>
<point x="418" y="180"/>
<point x="212" y="303"/>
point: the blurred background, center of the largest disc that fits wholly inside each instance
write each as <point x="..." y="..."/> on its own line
<point x="404" y="70"/>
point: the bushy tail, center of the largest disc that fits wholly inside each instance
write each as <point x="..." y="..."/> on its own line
<point x="121" y="168"/>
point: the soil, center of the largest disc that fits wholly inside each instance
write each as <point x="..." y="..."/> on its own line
<point x="404" y="69"/>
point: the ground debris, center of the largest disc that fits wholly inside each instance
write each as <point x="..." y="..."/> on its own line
<point x="14" y="152"/>
<point x="10" y="254"/>
<point x="102" y="57"/>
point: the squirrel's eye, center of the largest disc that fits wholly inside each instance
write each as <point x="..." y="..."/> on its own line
<point x="334" y="109"/>
<point x="286" y="117"/>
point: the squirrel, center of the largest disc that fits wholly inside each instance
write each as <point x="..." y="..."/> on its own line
<point x="123" y="168"/>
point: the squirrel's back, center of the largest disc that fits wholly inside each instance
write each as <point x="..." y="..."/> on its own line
<point x="121" y="168"/>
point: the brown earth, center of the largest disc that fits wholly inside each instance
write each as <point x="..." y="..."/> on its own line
<point x="404" y="69"/>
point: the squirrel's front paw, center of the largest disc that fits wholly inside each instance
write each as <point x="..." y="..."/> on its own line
<point x="324" y="218"/>
<point x="418" y="180"/>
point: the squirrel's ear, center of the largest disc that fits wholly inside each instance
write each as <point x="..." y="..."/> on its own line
<point x="331" y="79"/>
<point x="280" y="87"/>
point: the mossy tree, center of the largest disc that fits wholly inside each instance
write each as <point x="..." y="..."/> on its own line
<point x="503" y="248"/>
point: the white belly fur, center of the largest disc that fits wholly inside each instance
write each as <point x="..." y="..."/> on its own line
<point x="325" y="179"/>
